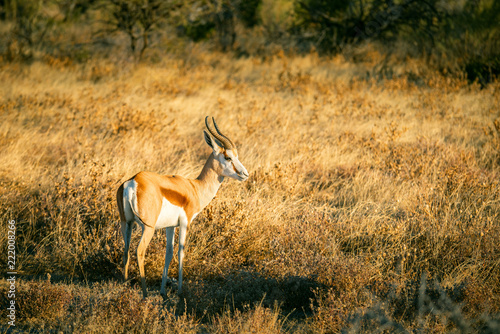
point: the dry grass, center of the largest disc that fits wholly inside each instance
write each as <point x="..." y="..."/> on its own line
<point x="371" y="203"/>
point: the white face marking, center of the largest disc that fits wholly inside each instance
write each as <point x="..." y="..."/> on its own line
<point x="232" y="167"/>
<point x="169" y="215"/>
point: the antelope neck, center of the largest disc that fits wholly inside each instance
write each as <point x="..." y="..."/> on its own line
<point x="208" y="181"/>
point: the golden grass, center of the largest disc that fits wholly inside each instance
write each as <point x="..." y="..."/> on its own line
<point x="370" y="202"/>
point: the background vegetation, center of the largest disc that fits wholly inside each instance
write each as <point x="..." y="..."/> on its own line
<point x="371" y="132"/>
<point x="458" y="37"/>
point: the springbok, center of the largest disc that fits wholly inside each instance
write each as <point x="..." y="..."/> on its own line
<point x="156" y="201"/>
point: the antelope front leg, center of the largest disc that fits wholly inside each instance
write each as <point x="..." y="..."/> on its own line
<point x="169" y="253"/>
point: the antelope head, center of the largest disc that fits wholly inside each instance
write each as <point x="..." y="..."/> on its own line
<point x="225" y="153"/>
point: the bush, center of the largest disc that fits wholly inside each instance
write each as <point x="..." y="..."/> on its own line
<point x="137" y="19"/>
<point x="31" y="23"/>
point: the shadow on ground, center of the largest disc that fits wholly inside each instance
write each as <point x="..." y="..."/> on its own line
<point x="241" y="289"/>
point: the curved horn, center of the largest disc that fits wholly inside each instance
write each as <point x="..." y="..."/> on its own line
<point x="217" y="128"/>
<point x="228" y="144"/>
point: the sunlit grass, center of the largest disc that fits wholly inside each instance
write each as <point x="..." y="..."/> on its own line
<point x="371" y="202"/>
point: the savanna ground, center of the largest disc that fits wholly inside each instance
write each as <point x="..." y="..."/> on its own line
<point x="373" y="203"/>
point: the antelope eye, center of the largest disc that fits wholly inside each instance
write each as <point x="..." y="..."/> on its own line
<point x="228" y="158"/>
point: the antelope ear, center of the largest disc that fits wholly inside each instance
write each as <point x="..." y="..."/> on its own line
<point x="213" y="143"/>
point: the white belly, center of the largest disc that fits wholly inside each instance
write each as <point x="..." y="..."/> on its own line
<point x="169" y="215"/>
